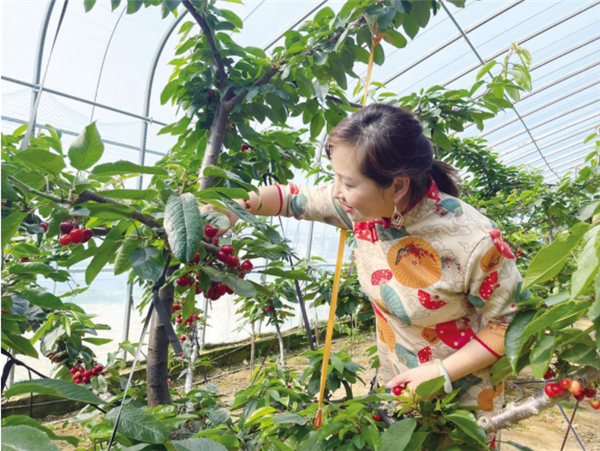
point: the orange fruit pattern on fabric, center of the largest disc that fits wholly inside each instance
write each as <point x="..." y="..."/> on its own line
<point x="492" y="260"/>
<point x="386" y="334"/>
<point x="414" y="263"/>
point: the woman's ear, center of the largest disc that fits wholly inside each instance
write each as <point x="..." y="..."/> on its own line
<point x="401" y="189"/>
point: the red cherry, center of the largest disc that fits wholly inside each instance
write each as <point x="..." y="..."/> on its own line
<point x="23" y="259"/>
<point x="519" y="252"/>
<point x="77" y="380"/>
<point x="247" y="265"/>
<point x="549" y="374"/>
<point x="595" y="403"/>
<point x="85" y="380"/>
<point x="589" y="392"/>
<point x="184" y="281"/>
<point x="234" y="261"/>
<point x="3" y="203"/>
<point x="183" y="338"/>
<point x="196" y="259"/>
<point x="44" y="226"/>
<point x="95" y="371"/>
<point x="221" y="289"/>
<point x="176" y="308"/>
<point x="211" y="92"/>
<point x="227" y="249"/>
<point x="73" y="370"/>
<point x="76" y="236"/>
<point x="580" y="397"/>
<point x="178" y="320"/>
<point x="181" y="356"/>
<point x="228" y="290"/>
<point x="87" y="235"/>
<point x="566" y="382"/>
<point x="397" y="390"/>
<point x="223" y="257"/>
<point x="50" y="355"/>
<point x="102" y="373"/>
<point x="576" y="389"/>
<point x="66" y="226"/>
<point x="65" y="240"/>
<point x="553" y="390"/>
<point x="244" y="147"/>
<point x="210" y="232"/>
<point x="215" y="241"/>
<point x="213" y="293"/>
<point x="377" y="417"/>
<point x="241" y="275"/>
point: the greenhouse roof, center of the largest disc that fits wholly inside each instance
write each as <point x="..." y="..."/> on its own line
<point x="110" y="67"/>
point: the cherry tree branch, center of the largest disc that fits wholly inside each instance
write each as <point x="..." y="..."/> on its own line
<point x="210" y="39"/>
<point x="31" y="190"/>
<point x="516" y="412"/>
<point x="138" y="216"/>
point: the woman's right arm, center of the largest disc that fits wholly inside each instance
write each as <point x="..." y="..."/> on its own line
<point x="302" y="202"/>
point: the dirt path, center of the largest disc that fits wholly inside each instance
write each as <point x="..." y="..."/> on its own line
<point x="542" y="433"/>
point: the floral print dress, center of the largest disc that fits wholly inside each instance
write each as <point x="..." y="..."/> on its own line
<point x="441" y="279"/>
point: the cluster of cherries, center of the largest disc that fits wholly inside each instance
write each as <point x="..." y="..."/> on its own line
<point x="50" y="355"/>
<point x="554" y="389"/>
<point x="269" y="308"/>
<point x="245" y="147"/>
<point x="179" y="319"/>
<point x="72" y="234"/>
<point x="226" y="255"/>
<point x="397" y="391"/>
<point x="81" y="375"/>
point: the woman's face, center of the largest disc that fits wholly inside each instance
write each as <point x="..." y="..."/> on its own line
<point x="361" y="198"/>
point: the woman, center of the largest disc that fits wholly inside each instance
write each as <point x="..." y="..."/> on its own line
<point x="441" y="281"/>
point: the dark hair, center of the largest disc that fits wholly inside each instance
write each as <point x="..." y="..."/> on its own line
<point x="391" y="143"/>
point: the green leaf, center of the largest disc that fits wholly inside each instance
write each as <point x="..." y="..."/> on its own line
<point x="22" y="420"/>
<point x="431" y="387"/>
<point x="42" y="160"/>
<point x="41" y="298"/>
<point x="145" y="264"/>
<point x="232" y="17"/>
<point x="550" y="317"/>
<point x="589" y="209"/>
<point x="588" y="263"/>
<point x="183" y="225"/>
<point x="516" y="445"/>
<point x="290" y="418"/>
<point x="397" y="436"/>
<point x="485" y="69"/>
<point x="550" y="260"/>
<point x="105" y="253"/>
<point x="440" y="138"/>
<point x="114" y="4"/>
<point x="25" y="438"/>
<point x="215" y="171"/>
<point x="197" y="444"/>
<point x="581" y="354"/>
<point x="541" y="355"/>
<point x="169" y="91"/>
<point x="316" y="125"/>
<point x="411" y="26"/>
<point x="122" y="262"/>
<point x="135" y="194"/>
<point x="123" y="167"/>
<point x="396" y="38"/>
<point x="139" y="425"/>
<point x="240" y="286"/>
<point x="500" y="370"/>
<point x="10" y="226"/>
<point x="295" y="274"/>
<point x="467" y="423"/>
<point x="134" y="6"/>
<point x="98" y="341"/>
<point x="19" y="344"/>
<point x="54" y="387"/>
<point x="420" y="12"/>
<point x="514" y="340"/>
<point x="87" y="149"/>
<point x="88" y="5"/>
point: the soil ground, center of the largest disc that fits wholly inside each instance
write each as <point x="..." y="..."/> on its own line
<point x="544" y="432"/>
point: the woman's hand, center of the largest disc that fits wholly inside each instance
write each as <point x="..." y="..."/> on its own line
<point x="413" y="377"/>
<point x="233" y="218"/>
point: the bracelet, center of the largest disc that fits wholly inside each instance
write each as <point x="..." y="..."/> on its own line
<point x="280" y="200"/>
<point x="444" y="372"/>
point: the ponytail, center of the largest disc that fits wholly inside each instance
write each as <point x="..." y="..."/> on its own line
<point x="445" y="177"/>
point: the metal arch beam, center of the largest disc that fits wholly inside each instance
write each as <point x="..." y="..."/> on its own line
<point x="572" y="160"/>
<point x="553" y="132"/>
<point x="541" y="107"/>
<point x="561" y="115"/>
<point x="39" y="55"/>
<point x="447" y="43"/>
<point x="525" y="39"/>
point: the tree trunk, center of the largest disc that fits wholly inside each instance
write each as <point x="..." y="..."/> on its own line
<point x="157" y="370"/>
<point x="252" y="348"/>
<point x="189" y="376"/>
<point x="216" y="137"/>
<point x="280" y="340"/>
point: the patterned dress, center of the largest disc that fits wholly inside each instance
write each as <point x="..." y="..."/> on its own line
<point x="441" y="279"/>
